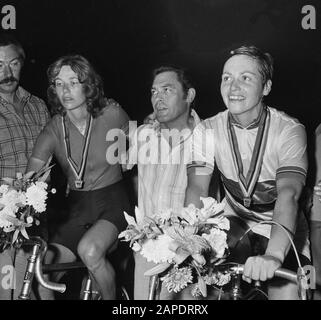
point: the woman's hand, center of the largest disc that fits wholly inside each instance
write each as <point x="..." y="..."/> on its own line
<point x="260" y="268"/>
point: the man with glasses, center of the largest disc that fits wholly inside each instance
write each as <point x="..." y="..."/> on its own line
<point x="22" y="117"/>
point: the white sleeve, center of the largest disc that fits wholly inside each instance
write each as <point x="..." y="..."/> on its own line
<point x="202" y="149"/>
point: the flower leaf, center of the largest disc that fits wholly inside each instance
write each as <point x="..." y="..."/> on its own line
<point x="139" y="216"/>
<point x="24" y="233"/>
<point x="45" y="176"/>
<point x="158" y="269"/>
<point x="181" y="255"/>
<point x="130" y="220"/>
<point x="15" y="236"/>
<point x="28" y="175"/>
<point x="202" y="286"/>
<point x="41" y="172"/>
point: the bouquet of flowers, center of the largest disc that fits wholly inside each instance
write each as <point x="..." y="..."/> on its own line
<point x="22" y="200"/>
<point x="186" y="246"/>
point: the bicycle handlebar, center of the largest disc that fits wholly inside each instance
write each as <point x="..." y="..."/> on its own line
<point x="60" y="287"/>
<point x="238" y="269"/>
<point x="282" y="273"/>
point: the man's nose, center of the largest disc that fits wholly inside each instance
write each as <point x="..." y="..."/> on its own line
<point x="158" y="95"/>
<point x="8" y="71"/>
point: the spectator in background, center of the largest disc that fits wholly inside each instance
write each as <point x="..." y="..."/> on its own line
<point x="22" y="117"/>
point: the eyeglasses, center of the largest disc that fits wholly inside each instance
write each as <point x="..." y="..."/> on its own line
<point x="13" y="65"/>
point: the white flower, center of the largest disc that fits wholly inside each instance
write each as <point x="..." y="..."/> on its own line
<point x="29" y="219"/>
<point x="136" y="247"/>
<point x="138" y="223"/>
<point x="11" y="199"/>
<point x="4" y="188"/>
<point x="210" y="207"/>
<point x="217" y="278"/>
<point x="217" y="239"/>
<point x="4" y="223"/>
<point x="36" y="196"/>
<point x="177" y="279"/>
<point x="190" y="214"/>
<point x="164" y="215"/>
<point x="221" y="222"/>
<point x="157" y="250"/>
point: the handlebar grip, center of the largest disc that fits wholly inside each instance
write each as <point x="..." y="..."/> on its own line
<point x="282" y="273"/>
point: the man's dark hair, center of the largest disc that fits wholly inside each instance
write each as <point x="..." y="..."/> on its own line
<point x="264" y="60"/>
<point x="7" y="39"/>
<point x="182" y="77"/>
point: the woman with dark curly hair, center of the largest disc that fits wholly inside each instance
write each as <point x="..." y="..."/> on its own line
<point x="76" y="136"/>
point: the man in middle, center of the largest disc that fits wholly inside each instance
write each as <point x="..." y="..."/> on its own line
<point x="161" y="150"/>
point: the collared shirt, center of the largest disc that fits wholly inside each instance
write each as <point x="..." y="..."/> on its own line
<point x="284" y="153"/>
<point x="18" y="133"/>
<point x="162" y="177"/>
<point x="100" y="170"/>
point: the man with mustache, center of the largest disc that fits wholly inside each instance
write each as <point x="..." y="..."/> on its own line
<point x="22" y="117"/>
<point x="162" y="178"/>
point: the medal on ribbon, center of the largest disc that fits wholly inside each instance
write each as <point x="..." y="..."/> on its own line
<point x="248" y="183"/>
<point x="79" y="174"/>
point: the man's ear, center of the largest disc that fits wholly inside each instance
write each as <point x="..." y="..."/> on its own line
<point x="191" y="93"/>
<point x="267" y="88"/>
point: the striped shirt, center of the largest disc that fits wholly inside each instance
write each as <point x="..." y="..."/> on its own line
<point x="284" y="152"/>
<point x="161" y="183"/>
<point x="18" y="133"/>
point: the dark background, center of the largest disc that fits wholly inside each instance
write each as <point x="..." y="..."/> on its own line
<point x="125" y="39"/>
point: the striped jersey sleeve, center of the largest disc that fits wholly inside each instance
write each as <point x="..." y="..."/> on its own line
<point x="202" y="148"/>
<point x="292" y="151"/>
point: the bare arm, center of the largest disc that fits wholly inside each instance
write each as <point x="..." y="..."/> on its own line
<point x="285" y="212"/>
<point x="197" y="186"/>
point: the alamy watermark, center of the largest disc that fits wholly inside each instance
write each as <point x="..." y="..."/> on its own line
<point x="8" y="277"/>
<point x="145" y="145"/>
<point x="309" y="281"/>
<point x="8" y="17"/>
<point x="308" y="21"/>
